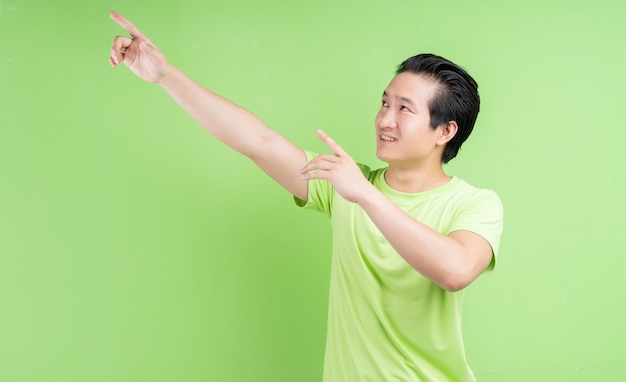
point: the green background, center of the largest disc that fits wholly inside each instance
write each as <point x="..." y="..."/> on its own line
<point x="135" y="247"/>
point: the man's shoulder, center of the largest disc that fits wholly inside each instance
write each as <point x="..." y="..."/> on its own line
<point x="467" y="195"/>
<point x="470" y="190"/>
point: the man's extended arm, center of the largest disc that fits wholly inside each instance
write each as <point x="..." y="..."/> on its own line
<point x="230" y="123"/>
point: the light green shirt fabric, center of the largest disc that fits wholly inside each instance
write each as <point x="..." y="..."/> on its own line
<point x="386" y="322"/>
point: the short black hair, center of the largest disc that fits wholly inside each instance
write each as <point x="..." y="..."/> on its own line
<point x="456" y="99"/>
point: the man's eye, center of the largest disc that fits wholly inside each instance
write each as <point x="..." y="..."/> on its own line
<point x="384" y="104"/>
<point x="404" y="108"/>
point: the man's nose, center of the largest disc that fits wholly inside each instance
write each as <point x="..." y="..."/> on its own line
<point x="387" y="119"/>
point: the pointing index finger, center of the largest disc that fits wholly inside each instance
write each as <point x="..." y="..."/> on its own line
<point x="334" y="146"/>
<point x="124" y="23"/>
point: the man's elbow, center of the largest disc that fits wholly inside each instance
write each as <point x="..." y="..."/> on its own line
<point x="453" y="285"/>
<point x="457" y="281"/>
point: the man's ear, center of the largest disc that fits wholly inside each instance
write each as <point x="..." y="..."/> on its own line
<point x="447" y="132"/>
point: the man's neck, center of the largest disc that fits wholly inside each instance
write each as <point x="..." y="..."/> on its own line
<point x="414" y="180"/>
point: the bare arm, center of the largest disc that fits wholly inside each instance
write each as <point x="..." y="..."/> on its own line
<point x="230" y="123"/>
<point x="451" y="261"/>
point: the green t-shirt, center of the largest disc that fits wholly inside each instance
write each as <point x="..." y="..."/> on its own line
<point x="386" y="322"/>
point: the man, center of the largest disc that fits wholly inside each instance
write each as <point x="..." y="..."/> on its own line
<point x="407" y="238"/>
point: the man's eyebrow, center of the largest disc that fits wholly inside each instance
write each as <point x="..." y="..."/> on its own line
<point x="403" y="99"/>
<point x="407" y="100"/>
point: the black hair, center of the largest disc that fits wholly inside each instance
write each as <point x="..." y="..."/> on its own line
<point x="456" y="99"/>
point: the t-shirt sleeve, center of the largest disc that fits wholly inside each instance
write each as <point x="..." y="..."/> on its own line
<point x="320" y="193"/>
<point x="484" y="216"/>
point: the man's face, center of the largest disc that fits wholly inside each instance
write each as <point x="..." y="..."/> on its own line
<point x="403" y="133"/>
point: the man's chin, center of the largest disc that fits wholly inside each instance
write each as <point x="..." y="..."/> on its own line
<point x="382" y="157"/>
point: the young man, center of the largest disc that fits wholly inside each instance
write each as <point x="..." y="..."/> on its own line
<point x="407" y="238"/>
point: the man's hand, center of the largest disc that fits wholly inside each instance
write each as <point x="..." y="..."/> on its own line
<point x="338" y="169"/>
<point x="138" y="53"/>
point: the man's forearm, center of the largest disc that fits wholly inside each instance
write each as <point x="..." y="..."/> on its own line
<point x="239" y="129"/>
<point x="228" y="122"/>
<point x="440" y="258"/>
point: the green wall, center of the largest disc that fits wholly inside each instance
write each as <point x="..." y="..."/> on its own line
<point x="135" y="247"/>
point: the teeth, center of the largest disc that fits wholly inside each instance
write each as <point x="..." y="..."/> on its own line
<point x="386" y="138"/>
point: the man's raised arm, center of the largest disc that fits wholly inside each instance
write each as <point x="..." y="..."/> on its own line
<point x="230" y="123"/>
